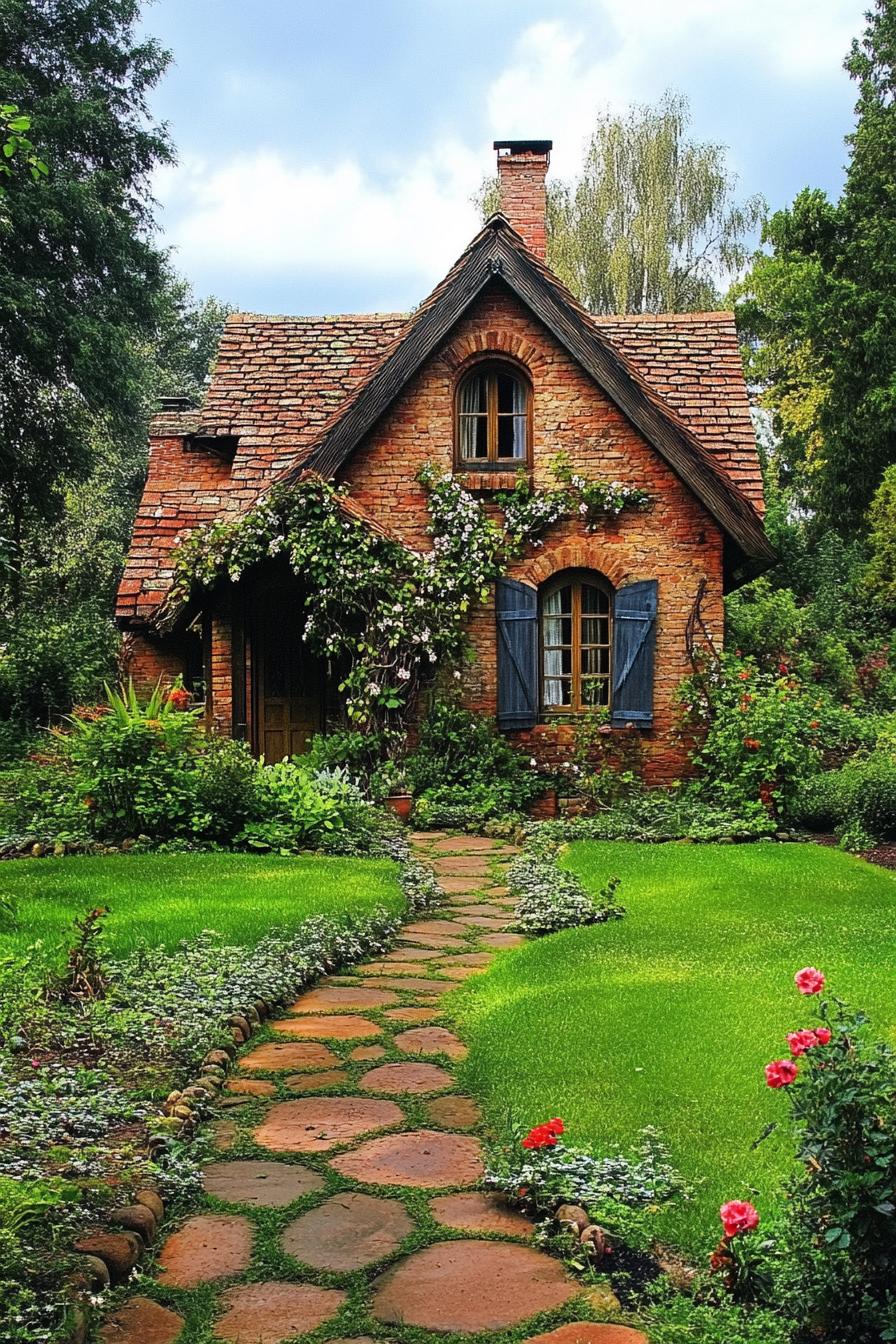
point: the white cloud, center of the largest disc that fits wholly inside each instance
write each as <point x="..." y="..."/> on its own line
<point x="262" y="213"/>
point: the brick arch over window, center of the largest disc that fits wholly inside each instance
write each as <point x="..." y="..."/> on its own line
<point x="587" y="553"/>
<point x="498" y="342"/>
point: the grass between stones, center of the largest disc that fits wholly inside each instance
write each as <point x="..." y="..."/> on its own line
<point x="201" y="1306"/>
<point x="666" y="1017"/>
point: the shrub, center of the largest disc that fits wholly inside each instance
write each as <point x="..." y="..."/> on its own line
<point x="665" y="814"/>
<point x="136" y="764"/>
<point x="465" y="753"/>
<point x="357" y="753"/>
<point x="225" y="788"/>
<point x="459" y="807"/>
<point x="839" y="1232"/>
<point x="606" y="765"/>
<point x="859" y="798"/>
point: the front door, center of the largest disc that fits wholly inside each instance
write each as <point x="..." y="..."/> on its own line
<point x="289" y="678"/>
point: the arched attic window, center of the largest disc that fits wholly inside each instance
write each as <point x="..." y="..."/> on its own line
<point x="493" y="418"/>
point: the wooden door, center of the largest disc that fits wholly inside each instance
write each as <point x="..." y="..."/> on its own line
<point x="289" y="677"/>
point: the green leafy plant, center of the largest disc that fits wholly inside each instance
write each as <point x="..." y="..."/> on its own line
<point x="550" y="899"/>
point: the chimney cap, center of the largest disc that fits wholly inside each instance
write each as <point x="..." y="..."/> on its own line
<point x="176" y="403"/>
<point x="524" y="146"/>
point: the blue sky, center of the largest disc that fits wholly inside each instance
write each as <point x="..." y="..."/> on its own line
<point x="328" y="150"/>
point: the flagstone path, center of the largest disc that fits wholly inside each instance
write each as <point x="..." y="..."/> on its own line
<point x="344" y="1199"/>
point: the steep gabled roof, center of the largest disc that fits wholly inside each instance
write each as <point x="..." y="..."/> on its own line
<point x="498" y="252"/>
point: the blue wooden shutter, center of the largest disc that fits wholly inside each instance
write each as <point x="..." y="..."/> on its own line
<point x="634" y="638"/>
<point x="516" y="609"/>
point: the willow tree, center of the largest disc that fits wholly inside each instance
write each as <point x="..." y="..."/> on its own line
<point x="652" y="223"/>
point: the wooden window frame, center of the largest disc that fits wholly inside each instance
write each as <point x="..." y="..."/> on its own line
<point x="575" y="579"/>
<point x="491" y="462"/>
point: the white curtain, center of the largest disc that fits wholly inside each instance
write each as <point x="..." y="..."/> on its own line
<point x="552" y="633"/>
<point x="519" y="419"/>
<point x="471" y="400"/>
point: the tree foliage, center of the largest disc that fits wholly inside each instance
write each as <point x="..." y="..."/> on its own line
<point x="818" y="310"/>
<point x="652" y="223"/>
<point x="80" y="274"/>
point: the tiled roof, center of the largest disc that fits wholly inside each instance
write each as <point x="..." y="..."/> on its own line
<point x="280" y="383"/>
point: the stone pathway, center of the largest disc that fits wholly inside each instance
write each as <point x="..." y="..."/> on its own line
<point x="344" y="1200"/>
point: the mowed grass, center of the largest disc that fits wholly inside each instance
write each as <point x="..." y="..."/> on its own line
<point x="666" y="1017"/>
<point x="158" y="899"/>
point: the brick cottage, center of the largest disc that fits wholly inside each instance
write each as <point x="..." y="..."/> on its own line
<point x="498" y="371"/>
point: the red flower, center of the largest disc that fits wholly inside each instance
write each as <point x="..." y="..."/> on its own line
<point x="814" y="723"/>
<point x="738" y="1216"/>
<point x="823" y="1035"/>
<point x="744" y="676"/>
<point x="783" y="669"/>
<point x="801" y="1041"/>
<point x="809" y="980"/>
<point x="752" y="743"/>
<point x="544" y="1136"/>
<point x="780" y="1073"/>
<point x="179" y="698"/>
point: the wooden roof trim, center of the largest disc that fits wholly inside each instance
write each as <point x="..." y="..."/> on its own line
<point x="498" y="252"/>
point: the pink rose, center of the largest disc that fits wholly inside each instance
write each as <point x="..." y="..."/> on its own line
<point x="823" y="1035"/>
<point x="801" y="1041"/>
<point x="780" y="1072"/>
<point x="809" y="980"/>
<point x="738" y="1216"/>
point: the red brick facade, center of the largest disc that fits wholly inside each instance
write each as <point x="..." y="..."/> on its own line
<point x="281" y="385"/>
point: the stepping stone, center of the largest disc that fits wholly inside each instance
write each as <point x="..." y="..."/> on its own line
<point x="424" y="1159"/>
<point x="461" y="865"/>
<point x="223" y="1135"/>
<point x="332" y="1027"/>
<point x="435" y="928"/>
<point x="469" y="1286"/>
<point x="376" y="968"/>
<point x="301" y="1055"/>
<point x="485" y="922"/>
<point x="430" y="1041"/>
<point x="460" y="972"/>
<point x="268" y="1313"/>
<point x="412" y="1014"/>
<point x="464" y="844"/>
<point x="424" y="837"/>
<point x="466" y="912"/>
<point x="142" y="1321"/>
<point x="460" y="885"/>
<point x="208" y="1247"/>
<point x="264" y="1185"/>
<point x="348" y="1232"/>
<point x="476" y="1212"/>
<point x="502" y="939"/>
<point x="587" y="1332"/>
<point x="336" y="997"/>
<point x="431" y="940"/>
<point x="422" y="986"/>
<point x="363" y="1052"/>
<point x="453" y="1112"/>
<point x="415" y="1078"/>
<point x="412" y="954"/>
<point x="251" y="1087"/>
<point x="313" y="1082"/>
<point x="316" y="1124"/>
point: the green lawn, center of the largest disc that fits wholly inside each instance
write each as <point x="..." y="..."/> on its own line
<point x="161" y="898"/>
<point x="667" y="1017"/>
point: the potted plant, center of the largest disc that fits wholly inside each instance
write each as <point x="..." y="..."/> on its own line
<point x="391" y="786"/>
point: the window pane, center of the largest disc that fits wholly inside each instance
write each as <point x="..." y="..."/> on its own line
<point x="557" y="630"/>
<point x="594" y="599"/>
<point x="473" y="395"/>
<point x="595" y="630"/>
<point x="473" y="436"/>
<point x="559" y="602"/>
<point x="594" y="691"/>
<point x="511" y="395"/>
<point x="557" y="693"/>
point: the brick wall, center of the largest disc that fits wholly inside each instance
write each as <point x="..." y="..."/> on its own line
<point x="521" y="179"/>
<point x="675" y="541"/>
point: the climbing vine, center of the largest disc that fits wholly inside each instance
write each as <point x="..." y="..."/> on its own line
<point x="382" y="614"/>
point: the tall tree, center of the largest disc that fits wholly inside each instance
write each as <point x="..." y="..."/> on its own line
<point x="818" y="309"/>
<point x="80" y="275"/>
<point x="652" y="222"/>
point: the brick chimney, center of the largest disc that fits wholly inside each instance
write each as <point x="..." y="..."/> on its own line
<point x="522" y="168"/>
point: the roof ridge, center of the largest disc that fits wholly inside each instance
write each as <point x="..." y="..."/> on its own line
<point x="236" y="318"/>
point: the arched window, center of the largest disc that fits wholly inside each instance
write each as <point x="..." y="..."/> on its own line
<point x="492" y="414"/>
<point x="576" y="642"/>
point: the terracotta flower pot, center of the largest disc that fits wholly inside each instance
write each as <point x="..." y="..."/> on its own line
<point x="400" y="804"/>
